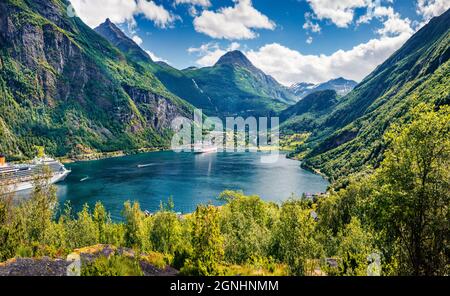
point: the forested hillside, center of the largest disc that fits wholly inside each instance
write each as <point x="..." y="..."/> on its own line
<point x="175" y="80"/>
<point x="391" y="222"/>
<point x="236" y="87"/>
<point x="349" y="138"/>
<point x="64" y="87"/>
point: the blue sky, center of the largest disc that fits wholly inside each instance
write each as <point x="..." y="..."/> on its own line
<point x="293" y="40"/>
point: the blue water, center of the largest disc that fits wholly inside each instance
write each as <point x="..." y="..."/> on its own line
<point x="189" y="179"/>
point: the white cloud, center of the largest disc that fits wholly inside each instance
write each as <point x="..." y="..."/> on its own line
<point x="202" y="3"/>
<point x="193" y="4"/>
<point x="210" y="53"/>
<point x="157" y="13"/>
<point x="393" y="24"/>
<point x="138" y="40"/>
<point x="340" y="12"/>
<point x="431" y="8"/>
<point x="94" y="12"/>
<point x="155" y="58"/>
<point x="310" y="25"/>
<point x="233" y="23"/>
<point x="289" y="66"/>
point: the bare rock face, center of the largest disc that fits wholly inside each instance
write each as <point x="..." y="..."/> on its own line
<point x="34" y="267"/>
<point x="62" y="80"/>
<point x="75" y="261"/>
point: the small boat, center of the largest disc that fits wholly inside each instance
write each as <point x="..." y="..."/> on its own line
<point x="84" y="179"/>
<point x="144" y="165"/>
<point x="204" y="150"/>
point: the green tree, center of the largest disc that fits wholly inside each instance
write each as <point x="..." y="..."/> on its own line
<point x="134" y="225"/>
<point x="246" y="224"/>
<point x="411" y="207"/>
<point x="33" y="217"/>
<point x="101" y="218"/>
<point x="165" y="232"/>
<point x="295" y="237"/>
<point x="355" y="246"/>
<point x="7" y="245"/>
<point x="207" y="243"/>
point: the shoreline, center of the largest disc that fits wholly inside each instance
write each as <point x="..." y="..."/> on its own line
<point x="121" y="153"/>
<point x="107" y="155"/>
<point x="310" y="169"/>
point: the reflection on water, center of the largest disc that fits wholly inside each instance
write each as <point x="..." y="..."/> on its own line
<point x="188" y="178"/>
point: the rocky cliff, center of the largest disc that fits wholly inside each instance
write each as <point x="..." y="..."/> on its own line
<point x="62" y="85"/>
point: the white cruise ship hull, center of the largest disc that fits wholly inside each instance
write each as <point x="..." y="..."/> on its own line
<point x="21" y="186"/>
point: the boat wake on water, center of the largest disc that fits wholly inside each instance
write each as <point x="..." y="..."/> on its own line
<point x="144" y="165"/>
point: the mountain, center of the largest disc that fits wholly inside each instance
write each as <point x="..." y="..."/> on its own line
<point x="341" y="85"/>
<point x="301" y="89"/>
<point x="237" y="59"/>
<point x="350" y="138"/>
<point x="232" y="86"/>
<point x="175" y="80"/>
<point x="114" y="35"/>
<point x="317" y="103"/>
<point x="65" y="87"/>
<point x="236" y="87"/>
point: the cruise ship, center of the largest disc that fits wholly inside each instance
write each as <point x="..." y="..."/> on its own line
<point x="19" y="177"/>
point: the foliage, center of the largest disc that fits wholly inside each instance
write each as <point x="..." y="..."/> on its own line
<point x="166" y="230"/>
<point x="133" y="225"/>
<point x="398" y="213"/>
<point x="113" y="266"/>
<point x="354" y="249"/>
<point x="246" y="224"/>
<point x="412" y="198"/>
<point x="207" y="243"/>
<point x="295" y="237"/>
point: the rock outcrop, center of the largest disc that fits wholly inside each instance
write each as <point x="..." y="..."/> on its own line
<point x="72" y="265"/>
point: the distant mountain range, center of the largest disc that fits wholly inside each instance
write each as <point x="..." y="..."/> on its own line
<point x="233" y="86"/>
<point x="236" y="87"/>
<point x="341" y="85"/>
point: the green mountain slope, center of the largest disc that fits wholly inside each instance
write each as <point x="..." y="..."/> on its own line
<point x="303" y="114"/>
<point x="349" y="139"/>
<point x="236" y="87"/>
<point x="175" y="80"/>
<point x="65" y="87"/>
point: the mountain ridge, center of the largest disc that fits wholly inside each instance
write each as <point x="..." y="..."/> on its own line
<point x="341" y="85"/>
<point x="118" y="38"/>
<point x="350" y="138"/>
<point x="237" y="87"/>
<point x="65" y="87"/>
<point x="173" y="79"/>
<point x="248" y="89"/>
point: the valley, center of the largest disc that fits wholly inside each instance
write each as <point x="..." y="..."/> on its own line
<point x="363" y="167"/>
